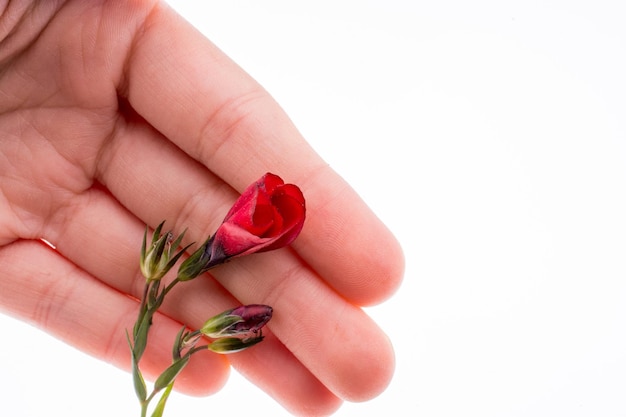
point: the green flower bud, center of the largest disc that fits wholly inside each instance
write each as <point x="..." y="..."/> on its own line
<point x="157" y="260"/>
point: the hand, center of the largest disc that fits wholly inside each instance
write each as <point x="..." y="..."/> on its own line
<point x="120" y="114"/>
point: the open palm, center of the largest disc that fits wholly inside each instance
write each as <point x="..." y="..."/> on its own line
<point x="115" y="115"/>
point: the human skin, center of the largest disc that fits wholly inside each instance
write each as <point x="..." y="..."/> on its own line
<point x="114" y="115"/>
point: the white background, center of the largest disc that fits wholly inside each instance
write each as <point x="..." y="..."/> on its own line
<point x="491" y="137"/>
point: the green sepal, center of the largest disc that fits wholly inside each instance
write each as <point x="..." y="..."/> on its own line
<point x="233" y="344"/>
<point x="217" y="326"/>
<point x="143" y="245"/>
<point x="157" y="232"/>
<point x="195" y="264"/>
<point x="178" y="343"/>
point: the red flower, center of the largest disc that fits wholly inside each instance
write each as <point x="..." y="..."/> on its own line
<point x="268" y="215"/>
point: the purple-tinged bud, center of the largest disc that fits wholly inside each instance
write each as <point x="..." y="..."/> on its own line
<point x="240" y="322"/>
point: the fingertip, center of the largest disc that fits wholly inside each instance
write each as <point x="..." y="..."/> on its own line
<point x="384" y="271"/>
<point x="347" y="244"/>
<point x="381" y="369"/>
<point x="368" y="375"/>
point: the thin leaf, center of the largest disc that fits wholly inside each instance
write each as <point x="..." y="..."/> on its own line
<point x="138" y="381"/>
<point x="141" y="338"/>
<point x="168" y="376"/>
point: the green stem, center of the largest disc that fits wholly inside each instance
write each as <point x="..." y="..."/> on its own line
<point x="142" y="310"/>
<point x="151" y="300"/>
<point x="158" y="410"/>
<point x="197" y="349"/>
<point x="145" y="403"/>
<point x="152" y="395"/>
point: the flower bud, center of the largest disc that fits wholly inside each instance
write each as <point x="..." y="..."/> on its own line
<point x="157" y="260"/>
<point x="240" y="322"/>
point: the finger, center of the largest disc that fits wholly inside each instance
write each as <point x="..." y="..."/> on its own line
<point x="193" y="94"/>
<point x="43" y="288"/>
<point x="103" y="238"/>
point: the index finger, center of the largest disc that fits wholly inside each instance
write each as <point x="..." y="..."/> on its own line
<point x="191" y="92"/>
